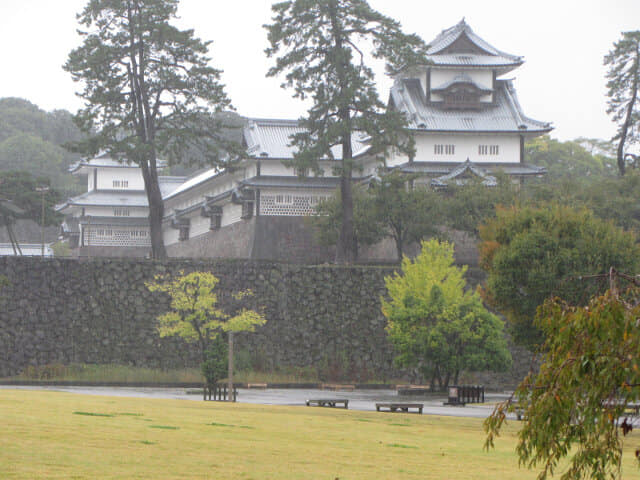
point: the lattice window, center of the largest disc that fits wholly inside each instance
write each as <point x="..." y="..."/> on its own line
<point x="121" y="212"/>
<point x="300" y="205"/>
<point x="116" y="237"/>
<point x="121" y="184"/>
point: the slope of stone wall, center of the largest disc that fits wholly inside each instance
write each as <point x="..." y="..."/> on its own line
<point x="99" y="311"/>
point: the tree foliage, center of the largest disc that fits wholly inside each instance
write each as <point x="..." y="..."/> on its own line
<point x="623" y="82"/>
<point x="320" y="46"/>
<point x="194" y="313"/>
<point x="437" y="326"/>
<point x="32" y="140"/>
<point x="148" y="91"/>
<point x="575" y="405"/>
<point x="387" y="207"/>
<point x="216" y="363"/>
<point x="534" y="253"/>
<point x="25" y="202"/>
<point x="465" y="207"/>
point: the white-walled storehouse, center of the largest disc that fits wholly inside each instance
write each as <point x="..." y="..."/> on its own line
<point x="466" y="120"/>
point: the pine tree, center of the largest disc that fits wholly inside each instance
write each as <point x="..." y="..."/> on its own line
<point x="148" y="91"/>
<point x="321" y="45"/>
<point x="622" y="89"/>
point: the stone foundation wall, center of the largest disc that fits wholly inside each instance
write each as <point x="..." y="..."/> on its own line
<point x="99" y="311"/>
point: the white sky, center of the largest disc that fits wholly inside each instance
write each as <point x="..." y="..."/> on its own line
<point x="563" y="42"/>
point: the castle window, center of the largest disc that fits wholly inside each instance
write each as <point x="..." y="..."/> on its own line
<point x="488" y="149"/>
<point x="183" y="233"/>
<point x="444" y="149"/>
<point x="121" y="212"/>
<point x="215" y="222"/>
<point x="247" y="210"/>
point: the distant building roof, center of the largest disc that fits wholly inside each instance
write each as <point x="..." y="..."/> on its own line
<point x="504" y="115"/>
<point x="29" y="231"/>
<point x="104" y="160"/>
<point x="270" y="138"/>
<point x="460" y="46"/>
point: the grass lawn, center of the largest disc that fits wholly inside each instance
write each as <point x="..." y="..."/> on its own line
<point x="68" y="436"/>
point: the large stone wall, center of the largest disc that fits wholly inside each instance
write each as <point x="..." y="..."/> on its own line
<point x="99" y="311"/>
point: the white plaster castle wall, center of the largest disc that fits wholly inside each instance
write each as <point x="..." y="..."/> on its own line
<point x="466" y="147"/>
<point x="199" y="224"/>
<point x="440" y="76"/>
<point x="133" y="176"/>
<point x="136" y="212"/>
<point x="231" y="213"/>
<point x="275" y="168"/>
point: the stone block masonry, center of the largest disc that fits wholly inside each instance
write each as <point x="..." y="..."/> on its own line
<point x="98" y="310"/>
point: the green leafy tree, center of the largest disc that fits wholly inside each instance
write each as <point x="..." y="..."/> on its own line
<point x="534" y="253"/>
<point x="465" y="207"/>
<point x="148" y="91"/>
<point x="328" y="221"/>
<point x="387" y="207"/>
<point x="26" y="202"/>
<point x="437" y="326"/>
<point x="320" y="45"/>
<point x="623" y="82"/>
<point x="195" y="316"/>
<point x="574" y="406"/>
<point x="406" y="214"/>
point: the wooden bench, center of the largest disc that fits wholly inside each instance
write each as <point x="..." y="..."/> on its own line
<point x="328" y="402"/>
<point x="399" y="407"/>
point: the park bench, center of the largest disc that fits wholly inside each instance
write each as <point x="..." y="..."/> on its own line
<point x="399" y="407"/>
<point x="328" y="402"/>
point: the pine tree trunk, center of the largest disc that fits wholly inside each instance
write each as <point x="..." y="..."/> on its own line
<point x="629" y="116"/>
<point x="346" y="248"/>
<point x="156" y="208"/>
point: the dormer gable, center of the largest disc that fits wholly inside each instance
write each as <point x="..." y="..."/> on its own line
<point x="463" y="44"/>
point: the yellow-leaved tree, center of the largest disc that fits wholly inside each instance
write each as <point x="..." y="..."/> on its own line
<point x="195" y="316"/>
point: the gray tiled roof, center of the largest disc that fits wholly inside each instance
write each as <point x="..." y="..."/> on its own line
<point x="107" y="199"/>
<point x="505" y="115"/>
<point x="444" y="168"/>
<point x="269" y="138"/>
<point x="292" y="182"/>
<point x="29" y="231"/>
<point x="484" y="55"/>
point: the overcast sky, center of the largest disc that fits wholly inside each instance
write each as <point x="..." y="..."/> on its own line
<point x="563" y="43"/>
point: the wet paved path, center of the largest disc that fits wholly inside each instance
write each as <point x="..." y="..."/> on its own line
<point x="358" y="399"/>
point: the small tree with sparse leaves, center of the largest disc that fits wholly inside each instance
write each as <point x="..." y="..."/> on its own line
<point x="576" y="405"/>
<point x="194" y="313"/>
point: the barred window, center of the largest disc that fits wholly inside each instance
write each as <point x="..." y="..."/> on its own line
<point x="444" y="149"/>
<point x="121" y="212"/>
<point x="488" y="149"/>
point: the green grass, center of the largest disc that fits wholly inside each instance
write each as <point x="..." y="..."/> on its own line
<point x="43" y="439"/>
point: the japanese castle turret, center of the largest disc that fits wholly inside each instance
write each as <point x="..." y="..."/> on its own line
<point x="466" y="119"/>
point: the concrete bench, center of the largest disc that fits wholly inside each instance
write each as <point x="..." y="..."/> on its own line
<point x="399" y="407"/>
<point x="328" y="402"/>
